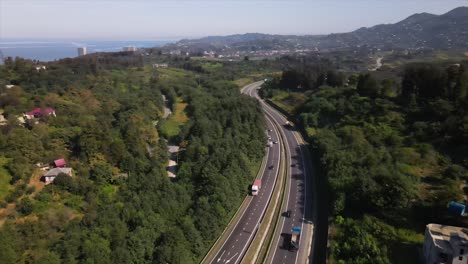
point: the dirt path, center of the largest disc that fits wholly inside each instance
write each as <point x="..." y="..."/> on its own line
<point x="378" y="64"/>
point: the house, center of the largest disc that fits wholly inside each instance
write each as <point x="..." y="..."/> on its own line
<point x="40" y="67"/>
<point x="21" y="120"/>
<point x="160" y="65"/>
<point x="445" y="244"/>
<point x="3" y="120"/>
<point x="49" y="111"/>
<point x="34" y="113"/>
<point x="38" y="112"/>
<point x="60" y="163"/>
<point x="50" y="176"/>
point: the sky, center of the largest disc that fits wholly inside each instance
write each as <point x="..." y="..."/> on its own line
<point x="174" y="19"/>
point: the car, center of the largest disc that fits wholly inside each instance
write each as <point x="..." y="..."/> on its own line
<point x="275" y="142"/>
<point x="287" y="213"/>
<point x="293" y="165"/>
<point x="271" y="167"/>
<point x="270" y="130"/>
<point x="269" y="137"/>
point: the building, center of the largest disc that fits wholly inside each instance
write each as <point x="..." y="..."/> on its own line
<point x="82" y="51"/>
<point x="3" y="120"/>
<point x="445" y="244"/>
<point x="38" y="112"/>
<point x="40" y="68"/>
<point x="129" y="48"/>
<point x="60" y="163"/>
<point x="50" y="176"/>
<point x="160" y="65"/>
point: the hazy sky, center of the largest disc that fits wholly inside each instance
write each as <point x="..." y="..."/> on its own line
<point x="163" y="19"/>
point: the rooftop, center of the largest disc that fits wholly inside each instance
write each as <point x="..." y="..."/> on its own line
<point x="56" y="171"/>
<point x="445" y="236"/>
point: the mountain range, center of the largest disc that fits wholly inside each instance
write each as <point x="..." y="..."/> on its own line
<point x="419" y="31"/>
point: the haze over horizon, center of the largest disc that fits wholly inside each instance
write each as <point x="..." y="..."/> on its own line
<point x="163" y="19"/>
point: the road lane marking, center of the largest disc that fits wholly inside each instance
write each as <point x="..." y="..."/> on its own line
<point x="229" y="260"/>
<point x="221" y="256"/>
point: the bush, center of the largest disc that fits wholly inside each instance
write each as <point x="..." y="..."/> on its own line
<point x="30" y="189"/>
<point x="25" y="206"/>
<point x="65" y="182"/>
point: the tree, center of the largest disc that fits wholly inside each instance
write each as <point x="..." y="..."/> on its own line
<point x="367" y="85"/>
<point x="25" y="206"/>
<point x="65" y="181"/>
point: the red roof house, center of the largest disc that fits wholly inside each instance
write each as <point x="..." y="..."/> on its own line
<point x="60" y="163"/>
<point x="38" y="112"/>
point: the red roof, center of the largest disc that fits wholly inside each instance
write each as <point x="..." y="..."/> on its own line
<point x="48" y="111"/>
<point x="60" y="163"/>
<point x="38" y="112"/>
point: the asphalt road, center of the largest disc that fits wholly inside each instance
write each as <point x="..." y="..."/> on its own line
<point x="234" y="248"/>
<point x="299" y="193"/>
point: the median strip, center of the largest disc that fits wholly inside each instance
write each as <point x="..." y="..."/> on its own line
<point x="258" y="249"/>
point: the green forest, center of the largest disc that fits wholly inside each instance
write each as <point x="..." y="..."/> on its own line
<point x="119" y="206"/>
<point x="391" y="146"/>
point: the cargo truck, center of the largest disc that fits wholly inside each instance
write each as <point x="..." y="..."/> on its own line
<point x="295" y="236"/>
<point x="256" y="187"/>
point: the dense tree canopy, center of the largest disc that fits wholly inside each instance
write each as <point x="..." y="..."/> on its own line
<point x="389" y="147"/>
<point x="120" y="206"/>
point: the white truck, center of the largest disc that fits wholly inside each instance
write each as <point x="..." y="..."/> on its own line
<point x="256" y="186"/>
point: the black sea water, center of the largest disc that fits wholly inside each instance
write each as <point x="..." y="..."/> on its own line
<point x="49" y="50"/>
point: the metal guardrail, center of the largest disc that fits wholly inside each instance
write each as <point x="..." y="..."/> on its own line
<point x="257" y="244"/>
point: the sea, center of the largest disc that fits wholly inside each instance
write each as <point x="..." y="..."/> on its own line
<point x="49" y="50"/>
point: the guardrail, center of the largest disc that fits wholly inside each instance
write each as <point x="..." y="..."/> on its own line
<point x="317" y="244"/>
<point x="257" y="244"/>
<point x="272" y="231"/>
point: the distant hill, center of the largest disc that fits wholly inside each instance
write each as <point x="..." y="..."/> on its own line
<point x="419" y="31"/>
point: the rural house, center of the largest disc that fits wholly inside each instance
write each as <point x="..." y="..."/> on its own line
<point x="50" y="176"/>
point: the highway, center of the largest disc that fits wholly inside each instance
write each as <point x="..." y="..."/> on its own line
<point x="298" y="194"/>
<point x="234" y="247"/>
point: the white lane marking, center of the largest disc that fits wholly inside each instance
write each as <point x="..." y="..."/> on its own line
<point x="221" y="256"/>
<point x="229" y="260"/>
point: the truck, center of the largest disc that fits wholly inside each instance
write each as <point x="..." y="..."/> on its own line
<point x="256" y="187"/>
<point x="295" y="236"/>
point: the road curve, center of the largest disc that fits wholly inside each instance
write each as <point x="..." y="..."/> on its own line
<point x="299" y="193"/>
<point x="235" y="246"/>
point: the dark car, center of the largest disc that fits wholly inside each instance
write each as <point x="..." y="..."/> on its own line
<point x="287" y="213"/>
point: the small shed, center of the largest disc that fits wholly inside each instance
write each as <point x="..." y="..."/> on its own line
<point x="60" y="163"/>
<point x="456" y="208"/>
